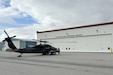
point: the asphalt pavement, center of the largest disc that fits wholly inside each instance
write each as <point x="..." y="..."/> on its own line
<point x="63" y="64"/>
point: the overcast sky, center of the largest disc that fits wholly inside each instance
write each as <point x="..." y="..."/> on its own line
<point x="24" y="17"/>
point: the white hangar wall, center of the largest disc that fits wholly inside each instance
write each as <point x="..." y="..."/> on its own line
<point x="90" y="38"/>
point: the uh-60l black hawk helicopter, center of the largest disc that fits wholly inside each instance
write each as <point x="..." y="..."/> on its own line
<point x="45" y="49"/>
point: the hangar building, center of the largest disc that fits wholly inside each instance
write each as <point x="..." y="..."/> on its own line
<point x="21" y="43"/>
<point x="87" y="38"/>
<point x="1" y="46"/>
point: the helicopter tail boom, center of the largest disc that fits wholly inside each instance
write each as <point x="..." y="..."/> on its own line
<point x="9" y="41"/>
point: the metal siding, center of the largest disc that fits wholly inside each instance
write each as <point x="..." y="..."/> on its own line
<point x="22" y="44"/>
<point x="1" y="46"/>
<point x="16" y="43"/>
<point x="91" y="39"/>
<point x="30" y="44"/>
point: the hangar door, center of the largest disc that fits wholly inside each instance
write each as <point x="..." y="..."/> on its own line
<point x="88" y="43"/>
<point x="99" y="43"/>
<point x="106" y="42"/>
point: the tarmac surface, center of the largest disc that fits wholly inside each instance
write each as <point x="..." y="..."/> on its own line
<point x="63" y="64"/>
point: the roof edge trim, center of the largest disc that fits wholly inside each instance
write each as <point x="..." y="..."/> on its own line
<point x="91" y="25"/>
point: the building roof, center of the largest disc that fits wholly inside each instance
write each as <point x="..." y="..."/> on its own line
<point x="92" y="25"/>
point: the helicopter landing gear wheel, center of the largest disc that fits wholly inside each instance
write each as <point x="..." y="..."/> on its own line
<point x="44" y="53"/>
<point x="53" y="53"/>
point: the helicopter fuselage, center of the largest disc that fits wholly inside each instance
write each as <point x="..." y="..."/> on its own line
<point x="45" y="49"/>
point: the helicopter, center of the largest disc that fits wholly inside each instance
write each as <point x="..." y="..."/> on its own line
<point x="45" y="49"/>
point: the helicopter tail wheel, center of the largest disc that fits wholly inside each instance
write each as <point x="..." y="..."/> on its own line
<point x="20" y="55"/>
